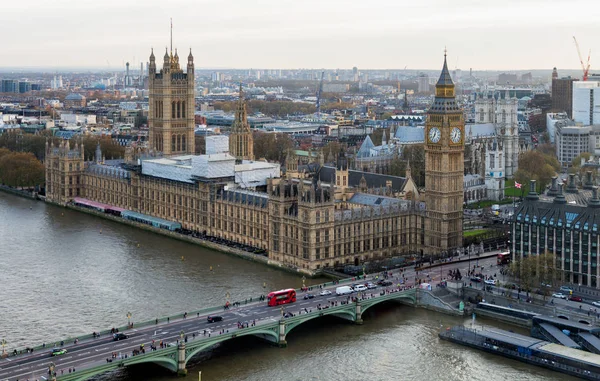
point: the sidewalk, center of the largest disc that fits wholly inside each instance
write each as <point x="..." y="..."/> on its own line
<point x="464" y="258"/>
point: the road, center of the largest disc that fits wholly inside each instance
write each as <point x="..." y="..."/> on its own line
<point x="93" y="352"/>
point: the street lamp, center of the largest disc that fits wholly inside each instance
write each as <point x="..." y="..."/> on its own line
<point x="303" y="281"/>
<point x="227" y="296"/>
<point x="128" y="318"/>
<point x="181" y="334"/>
<point x="3" y="348"/>
<point x="364" y="272"/>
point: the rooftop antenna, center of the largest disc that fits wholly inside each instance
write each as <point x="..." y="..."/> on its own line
<point x="171" y="35"/>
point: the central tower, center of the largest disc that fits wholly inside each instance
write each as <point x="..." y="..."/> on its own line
<point x="444" y="168"/>
<point x="241" y="143"/>
<point x="171" y="106"/>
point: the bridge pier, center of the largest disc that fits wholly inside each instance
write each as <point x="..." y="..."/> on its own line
<point x="181" y="370"/>
<point x="358" y="312"/>
<point x="282" y="343"/>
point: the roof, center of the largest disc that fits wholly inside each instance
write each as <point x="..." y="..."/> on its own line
<point x="508" y="337"/>
<point x="410" y="134"/>
<point x="445" y="79"/>
<point x="561" y="350"/>
<point x="559" y="336"/>
<point x="374" y="180"/>
<point x="365" y="147"/>
<point x="481" y="130"/>
<point x="74" y="97"/>
<point x="150" y="219"/>
<point x="371" y="199"/>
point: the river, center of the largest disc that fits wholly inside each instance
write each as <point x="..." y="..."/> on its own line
<point x="65" y="273"/>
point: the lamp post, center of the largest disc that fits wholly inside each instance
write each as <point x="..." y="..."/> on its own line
<point x="364" y="272"/>
<point x="303" y="282"/>
<point x="3" y="348"/>
<point x="227" y="296"/>
<point x="128" y="318"/>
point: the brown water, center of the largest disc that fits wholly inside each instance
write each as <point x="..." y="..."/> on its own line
<point x="65" y="273"/>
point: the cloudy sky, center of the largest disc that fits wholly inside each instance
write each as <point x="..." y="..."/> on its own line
<point x="376" y="34"/>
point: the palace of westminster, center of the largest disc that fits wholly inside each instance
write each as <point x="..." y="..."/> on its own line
<point x="306" y="217"/>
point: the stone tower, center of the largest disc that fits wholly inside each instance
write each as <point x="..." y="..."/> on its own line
<point x="444" y="166"/>
<point x="241" y="143"/>
<point x="171" y="113"/>
<point x="64" y="167"/>
<point x="507" y="128"/>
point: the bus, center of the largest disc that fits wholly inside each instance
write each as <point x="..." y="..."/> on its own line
<point x="503" y="258"/>
<point x="276" y="298"/>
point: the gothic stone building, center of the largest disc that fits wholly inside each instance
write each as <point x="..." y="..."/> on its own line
<point x="308" y="221"/>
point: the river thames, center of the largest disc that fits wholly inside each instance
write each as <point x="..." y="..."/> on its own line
<point x="65" y="273"/>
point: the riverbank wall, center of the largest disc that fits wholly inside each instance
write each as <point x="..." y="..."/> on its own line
<point x="18" y="192"/>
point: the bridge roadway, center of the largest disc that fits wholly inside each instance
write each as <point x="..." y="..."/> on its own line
<point x="89" y="356"/>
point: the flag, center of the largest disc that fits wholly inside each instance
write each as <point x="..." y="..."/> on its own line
<point x="517" y="185"/>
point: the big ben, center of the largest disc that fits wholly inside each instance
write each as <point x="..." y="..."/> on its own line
<point x="444" y="168"/>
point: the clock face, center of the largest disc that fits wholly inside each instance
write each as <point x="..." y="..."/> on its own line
<point x="455" y="135"/>
<point x="434" y="135"/>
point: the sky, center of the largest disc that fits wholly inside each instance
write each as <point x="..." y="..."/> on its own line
<point x="269" y="34"/>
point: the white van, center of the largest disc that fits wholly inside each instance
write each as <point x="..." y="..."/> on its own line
<point x="343" y="290"/>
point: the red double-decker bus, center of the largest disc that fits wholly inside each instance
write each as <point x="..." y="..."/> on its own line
<point x="276" y="298"/>
<point x="503" y="258"/>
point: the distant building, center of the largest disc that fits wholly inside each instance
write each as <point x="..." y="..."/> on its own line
<point x="75" y="100"/>
<point x="571" y="141"/>
<point x="505" y="78"/>
<point x="562" y="94"/>
<point x="9" y="86"/>
<point x="551" y="120"/>
<point x="336" y="87"/>
<point x="586" y="102"/>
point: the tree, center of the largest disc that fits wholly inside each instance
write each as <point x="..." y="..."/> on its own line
<point x="535" y="165"/>
<point x="576" y="164"/>
<point x="19" y="169"/>
<point x="271" y="146"/>
<point x="535" y="270"/>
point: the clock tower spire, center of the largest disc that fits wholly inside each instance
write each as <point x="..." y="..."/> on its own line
<point x="444" y="168"/>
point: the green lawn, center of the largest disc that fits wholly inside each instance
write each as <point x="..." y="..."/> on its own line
<point x="511" y="191"/>
<point x="474" y="233"/>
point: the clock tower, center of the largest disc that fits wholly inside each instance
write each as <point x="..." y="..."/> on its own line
<point x="444" y="168"/>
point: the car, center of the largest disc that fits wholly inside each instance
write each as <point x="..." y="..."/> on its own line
<point x="308" y="296"/>
<point x="559" y="295"/>
<point x="597" y="304"/>
<point x="575" y="298"/>
<point x="566" y="289"/>
<point x="475" y="279"/>
<point x="212" y="319"/>
<point x="58" y="352"/>
<point x="385" y="283"/>
<point x="360" y="287"/>
<point x="325" y="293"/>
<point x="371" y="285"/>
<point x="288" y="315"/>
<point x="491" y="282"/>
<point x="119" y="336"/>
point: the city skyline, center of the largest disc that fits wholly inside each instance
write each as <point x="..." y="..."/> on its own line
<point x="516" y="35"/>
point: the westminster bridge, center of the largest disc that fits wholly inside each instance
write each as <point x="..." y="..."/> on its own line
<point x="184" y="337"/>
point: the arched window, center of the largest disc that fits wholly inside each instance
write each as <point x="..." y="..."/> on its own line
<point x="183" y="109"/>
<point x="481" y="112"/>
<point x="503" y="116"/>
<point x="183" y="145"/>
<point x="173" y="139"/>
<point x="178" y="110"/>
<point x="173" y="110"/>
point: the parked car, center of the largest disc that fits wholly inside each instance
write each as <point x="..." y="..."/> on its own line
<point x="308" y="296"/>
<point x="212" y="319"/>
<point x="475" y="279"/>
<point x="566" y="289"/>
<point x="597" y="304"/>
<point x="119" y="336"/>
<point x="491" y="282"/>
<point x="325" y="293"/>
<point x="58" y="352"/>
<point x="576" y="299"/>
<point x="559" y="295"/>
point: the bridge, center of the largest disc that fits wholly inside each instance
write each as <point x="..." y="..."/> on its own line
<point x="189" y="335"/>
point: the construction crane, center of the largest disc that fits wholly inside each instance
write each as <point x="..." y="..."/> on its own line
<point x="586" y="68"/>
<point x="319" y="92"/>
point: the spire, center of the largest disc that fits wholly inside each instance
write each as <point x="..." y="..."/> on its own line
<point x="151" y="54"/>
<point x="171" y="35"/>
<point x="445" y="79"/>
<point x="190" y="56"/>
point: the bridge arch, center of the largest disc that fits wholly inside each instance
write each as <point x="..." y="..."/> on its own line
<point x="192" y="350"/>
<point x="348" y="313"/>
<point x="366" y="304"/>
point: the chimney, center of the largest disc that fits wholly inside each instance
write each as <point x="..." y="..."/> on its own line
<point x="589" y="183"/>
<point x="532" y="192"/>
<point x="560" y="197"/>
<point x="594" y="201"/>
<point x="553" y="191"/>
<point x="571" y="186"/>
